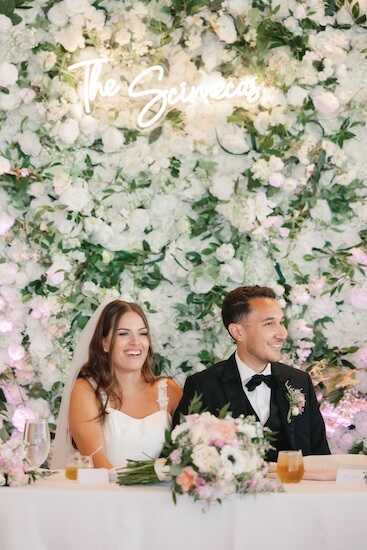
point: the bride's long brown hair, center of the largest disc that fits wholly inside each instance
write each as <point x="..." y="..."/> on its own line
<point x="99" y="366"/>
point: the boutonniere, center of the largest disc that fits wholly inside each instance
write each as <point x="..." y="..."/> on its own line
<point x="296" y="399"/>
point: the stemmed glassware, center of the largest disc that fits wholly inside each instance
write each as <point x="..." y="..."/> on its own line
<point x="37" y="435"/>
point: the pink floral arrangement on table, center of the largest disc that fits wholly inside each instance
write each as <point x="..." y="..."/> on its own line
<point x="209" y="458"/>
<point x="14" y="469"/>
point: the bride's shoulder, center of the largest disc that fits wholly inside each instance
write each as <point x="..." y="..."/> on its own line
<point x="83" y="385"/>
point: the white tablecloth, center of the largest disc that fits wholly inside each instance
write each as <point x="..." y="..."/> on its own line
<point x="58" y="514"/>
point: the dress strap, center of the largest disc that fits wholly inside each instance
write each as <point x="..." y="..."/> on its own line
<point x="104" y="397"/>
<point x="162" y="394"/>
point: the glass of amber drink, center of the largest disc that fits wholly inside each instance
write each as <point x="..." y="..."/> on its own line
<point x="75" y="462"/>
<point x="290" y="467"/>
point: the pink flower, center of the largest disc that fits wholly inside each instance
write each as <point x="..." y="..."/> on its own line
<point x="186" y="479"/>
<point x="175" y="456"/>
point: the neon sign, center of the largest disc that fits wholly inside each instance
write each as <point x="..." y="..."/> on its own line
<point x="161" y="99"/>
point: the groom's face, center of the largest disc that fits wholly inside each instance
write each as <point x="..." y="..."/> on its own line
<point x="261" y="334"/>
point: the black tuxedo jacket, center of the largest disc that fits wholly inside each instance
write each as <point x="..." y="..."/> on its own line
<point x="221" y="384"/>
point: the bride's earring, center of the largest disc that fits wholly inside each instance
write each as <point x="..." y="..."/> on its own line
<point x="105" y="350"/>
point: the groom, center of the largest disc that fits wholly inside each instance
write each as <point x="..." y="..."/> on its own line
<point x="253" y="381"/>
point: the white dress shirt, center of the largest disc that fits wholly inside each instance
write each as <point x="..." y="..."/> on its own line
<point x="260" y="396"/>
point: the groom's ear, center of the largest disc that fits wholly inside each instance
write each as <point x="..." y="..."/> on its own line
<point x="236" y="331"/>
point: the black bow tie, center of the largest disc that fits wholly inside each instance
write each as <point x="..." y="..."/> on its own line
<point x="269" y="379"/>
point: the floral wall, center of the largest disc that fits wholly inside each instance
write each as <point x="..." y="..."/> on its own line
<point x="243" y="161"/>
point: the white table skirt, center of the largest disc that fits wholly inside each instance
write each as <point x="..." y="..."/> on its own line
<point x="58" y="514"/>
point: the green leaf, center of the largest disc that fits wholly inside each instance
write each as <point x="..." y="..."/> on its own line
<point x="224" y="411"/>
<point x="196" y="404"/>
<point x="155" y="135"/>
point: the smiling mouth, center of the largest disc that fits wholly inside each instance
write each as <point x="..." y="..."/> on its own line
<point x="133" y="353"/>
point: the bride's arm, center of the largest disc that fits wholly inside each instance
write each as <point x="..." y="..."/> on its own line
<point x="85" y="426"/>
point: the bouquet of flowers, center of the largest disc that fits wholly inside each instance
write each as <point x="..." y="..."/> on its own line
<point x="14" y="469"/>
<point x="209" y="458"/>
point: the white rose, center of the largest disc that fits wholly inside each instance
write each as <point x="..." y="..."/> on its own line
<point x="75" y="198"/>
<point x="16" y="352"/>
<point x="225" y="28"/>
<point x="222" y="187"/>
<point x="57" y="15"/>
<point x="112" y="140"/>
<point x="321" y="211"/>
<point x="298" y="329"/>
<point x="200" y="282"/>
<point x="68" y="131"/>
<point x="5" y="165"/>
<point x="30" y="143"/>
<point x="238" y="7"/>
<point x="8" y="74"/>
<point x="276" y="179"/>
<point x="224" y="252"/>
<point x="171" y="269"/>
<point x="72" y="7"/>
<point x="56" y="273"/>
<point x="5" y="23"/>
<point x="207" y="459"/>
<point x="6" y="222"/>
<point x="233" y="270"/>
<point x="296" y="96"/>
<point x="325" y="102"/>
<point x="71" y="38"/>
<point x="6" y="325"/>
<point x="122" y="37"/>
<point x="10" y="101"/>
<point x="234" y="143"/>
<point x="21" y="415"/>
<point x="8" y="274"/>
<point x="88" y="125"/>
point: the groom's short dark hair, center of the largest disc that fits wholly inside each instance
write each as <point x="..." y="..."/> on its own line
<point x="236" y="305"/>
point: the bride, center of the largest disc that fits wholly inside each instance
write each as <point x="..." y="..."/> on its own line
<point x="111" y="400"/>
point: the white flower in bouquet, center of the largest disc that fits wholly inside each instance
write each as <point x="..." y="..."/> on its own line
<point x="206" y="458"/>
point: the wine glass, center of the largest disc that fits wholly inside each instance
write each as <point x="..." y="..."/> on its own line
<point x="37" y="435"/>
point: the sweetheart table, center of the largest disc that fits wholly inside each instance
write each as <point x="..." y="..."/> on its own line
<point x="57" y="514"/>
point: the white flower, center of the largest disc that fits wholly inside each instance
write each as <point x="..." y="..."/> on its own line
<point x="206" y="458"/>
<point x="112" y="140"/>
<point x="6" y="222"/>
<point x="57" y="15"/>
<point x="222" y="187"/>
<point x="325" y="102"/>
<point x="71" y="38"/>
<point x="68" y="131"/>
<point x="75" y="198"/>
<point x="4" y="165"/>
<point x="73" y="7"/>
<point x="225" y="28"/>
<point x="235" y="460"/>
<point x="296" y="96"/>
<point x="29" y="143"/>
<point x="8" y="74"/>
<point x="224" y="252"/>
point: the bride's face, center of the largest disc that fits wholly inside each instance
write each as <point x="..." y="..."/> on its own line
<point x="131" y="344"/>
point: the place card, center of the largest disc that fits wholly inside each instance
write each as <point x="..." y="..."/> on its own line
<point x="92" y="475"/>
<point x="351" y="476"/>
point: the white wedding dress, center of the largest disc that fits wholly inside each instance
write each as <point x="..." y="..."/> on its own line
<point x="125" y="437"/>
<point x="136" y="438"/>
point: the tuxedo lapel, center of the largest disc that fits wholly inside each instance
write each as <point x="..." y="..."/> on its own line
<point x="232" y="384"/>
<point x="282" y="402"/>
